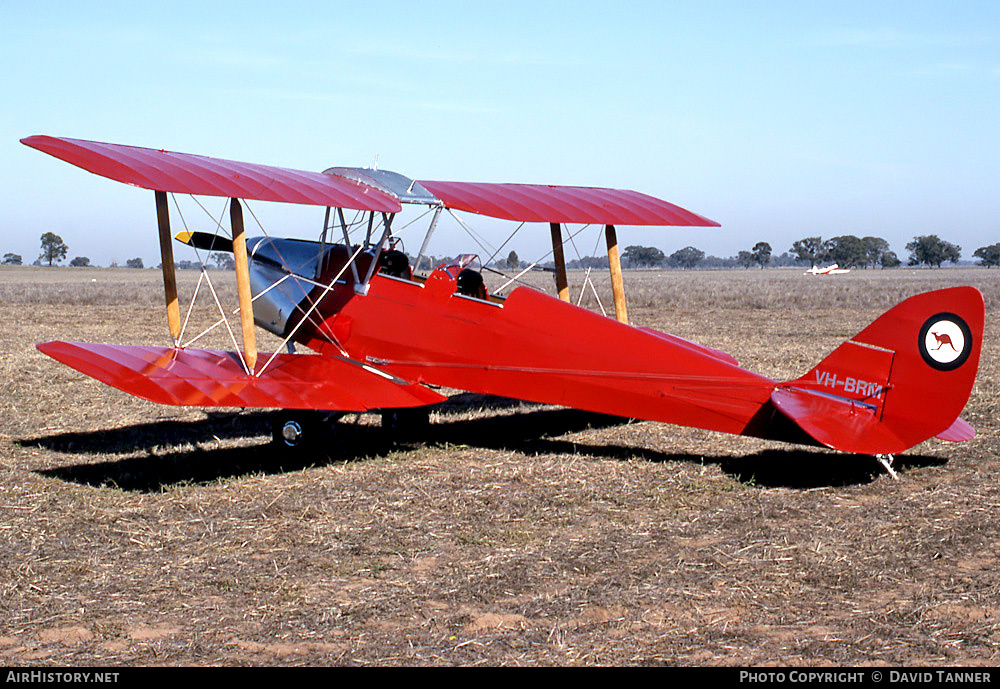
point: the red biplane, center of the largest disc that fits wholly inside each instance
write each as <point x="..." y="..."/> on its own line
<point x="385" y="335"/>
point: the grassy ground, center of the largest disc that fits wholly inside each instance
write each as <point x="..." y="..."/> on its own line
<point x="513" y="534"/>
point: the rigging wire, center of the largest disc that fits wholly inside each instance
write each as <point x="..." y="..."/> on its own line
<point x="586" y="278"/>
<point x="494" y="255"/>
<point x="517" y="277"/>
<point x="288" y="269"/>
<point x="302" y="320"/>
<point x="680" y="378"/>
<point x="472" y="233"/>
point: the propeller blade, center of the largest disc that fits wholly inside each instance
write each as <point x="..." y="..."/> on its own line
<point x="206" y="241"/>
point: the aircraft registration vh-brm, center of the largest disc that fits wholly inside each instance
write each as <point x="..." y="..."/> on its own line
<point x="385" y="335"/>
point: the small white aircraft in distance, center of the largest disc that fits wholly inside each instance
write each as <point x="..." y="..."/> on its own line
<point x="829" y="270"/>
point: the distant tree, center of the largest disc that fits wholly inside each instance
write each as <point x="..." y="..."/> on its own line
<point x="745" y="259"/>
<point x="223" y="260"/>
<point x="80" y="262"/>
<point x="12" y="259"/>
<point x="987" y="255"/>
<point x="846" y="251"/>
<point x="931" y="250"/>
<point x="588" y="262"/>
<point x="889" y="260"/>
<point x="809" y="250"/>
<point x="643" y="256"/>
<point x="718" y="262"/>
<point x="134" y="263"/>
<point x="761" y="253"/>
<point x="785" y="260"/>
<point x="53" y="248"/>
<point x="873" y="248"/>
<point x="688" y="257"/>
<point x="513" y="262"/>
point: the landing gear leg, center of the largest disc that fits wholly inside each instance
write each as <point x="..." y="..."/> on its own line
<point x="407" y="421"/>
<point x="886" y="461"/>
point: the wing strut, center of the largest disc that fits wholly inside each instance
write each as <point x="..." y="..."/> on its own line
<point x="615" y="265"/>
<point x="243" y="284"/>
<point x="562" y="284"/>
<point x="167" y="263"/>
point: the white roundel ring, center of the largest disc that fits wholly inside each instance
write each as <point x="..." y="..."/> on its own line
<point x="945" y="341"/>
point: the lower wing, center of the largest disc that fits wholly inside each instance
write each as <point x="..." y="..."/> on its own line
<point x="208" y="378"/>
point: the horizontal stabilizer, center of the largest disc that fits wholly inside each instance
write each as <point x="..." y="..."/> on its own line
<point x="207" y="378"/>
<point x="837" y="422"/>
<point x="958" y="432"/>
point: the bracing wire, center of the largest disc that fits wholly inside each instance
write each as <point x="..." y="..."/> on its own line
<point x="511" y="236"/>
<point x="472" y="233"/>
<point x="287" y="267"/>
<point x="517" y="278"/>
<point x="302" y="320"/>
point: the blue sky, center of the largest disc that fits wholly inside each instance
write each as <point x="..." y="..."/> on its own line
<point x="778" y="119"/>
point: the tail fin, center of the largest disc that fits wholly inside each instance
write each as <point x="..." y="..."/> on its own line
<point x="903" y="379"/>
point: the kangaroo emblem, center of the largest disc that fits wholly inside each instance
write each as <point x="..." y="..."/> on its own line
<point x="942" y="340"/>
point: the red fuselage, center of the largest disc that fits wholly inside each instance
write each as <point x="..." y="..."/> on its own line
<point x="537" y="348"/>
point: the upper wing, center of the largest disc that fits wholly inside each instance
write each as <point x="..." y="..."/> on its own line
<point x="206" y="378"/>
<point x="561" y="204"/>
<point x="192" y="174"/>
<point x="371" y="191"/>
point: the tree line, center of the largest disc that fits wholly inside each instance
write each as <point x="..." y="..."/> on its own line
<point x="847" y="251"/>
<point x="54" y="251"/>
<point x="850" y="251"/>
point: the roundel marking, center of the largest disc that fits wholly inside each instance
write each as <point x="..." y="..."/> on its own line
<point x="945" y="341"/>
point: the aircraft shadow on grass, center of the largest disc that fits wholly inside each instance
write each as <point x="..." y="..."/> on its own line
<point x="534" y="430"/>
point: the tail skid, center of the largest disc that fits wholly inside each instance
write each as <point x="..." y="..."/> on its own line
<point x="900" y="381"/>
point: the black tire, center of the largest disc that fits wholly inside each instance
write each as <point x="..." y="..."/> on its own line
<point x="295" y="430"/>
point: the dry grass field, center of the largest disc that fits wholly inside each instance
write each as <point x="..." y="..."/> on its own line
<point x="512" y="534"/>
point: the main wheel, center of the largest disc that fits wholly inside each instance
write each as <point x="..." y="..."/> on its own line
<point x="295" y="430"/>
